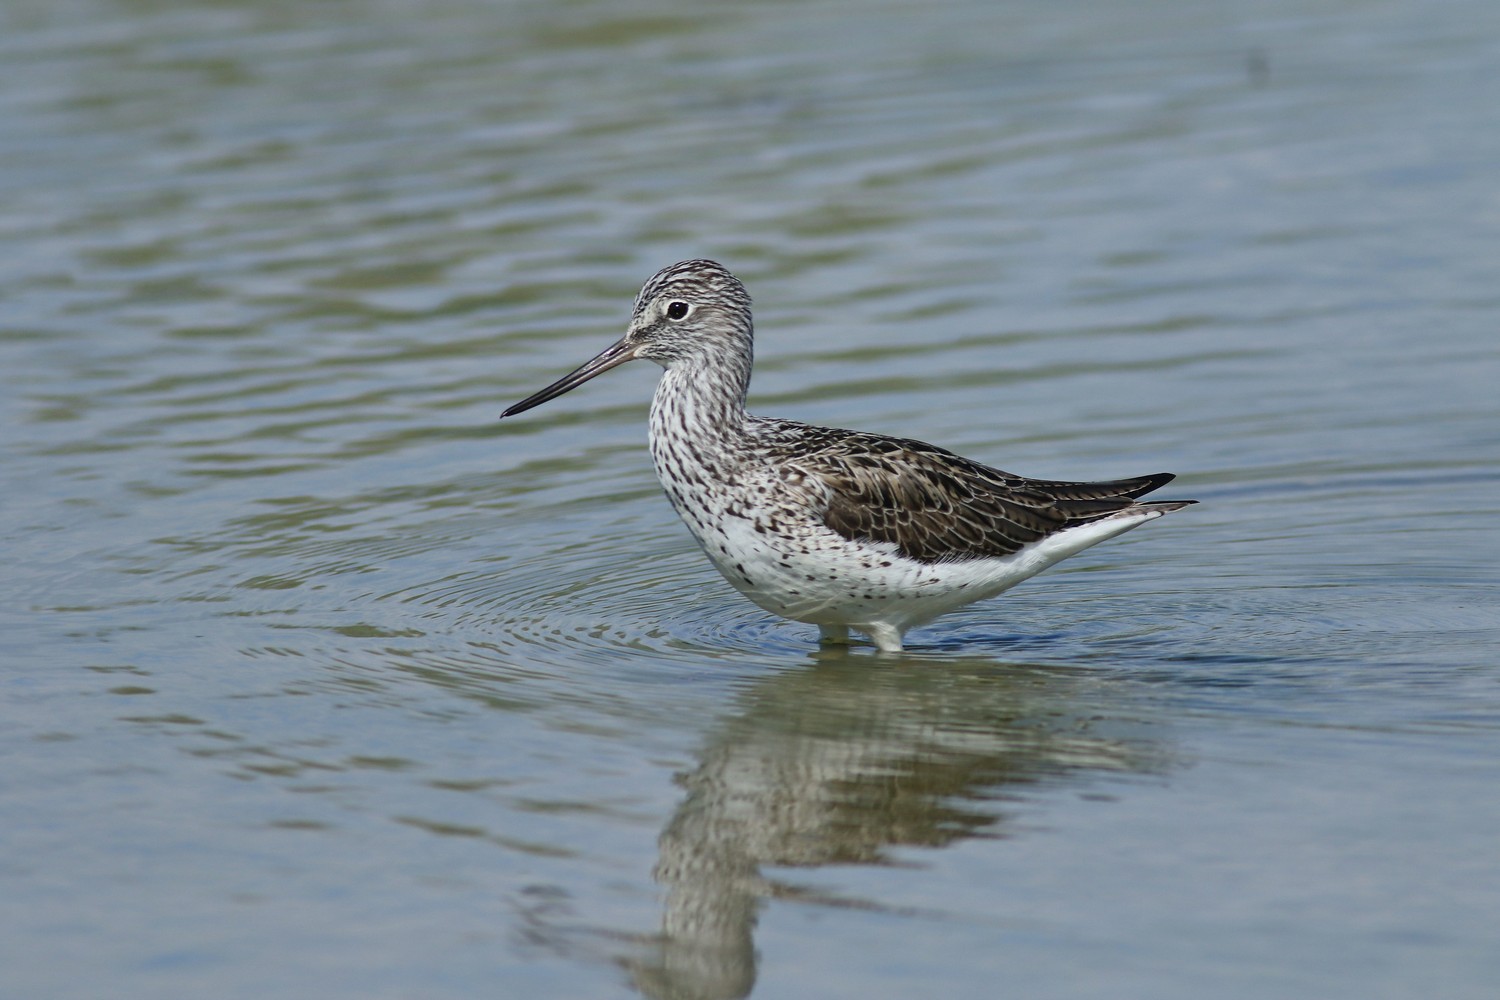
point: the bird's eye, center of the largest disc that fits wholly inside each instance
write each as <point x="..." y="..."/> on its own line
<point x="677" y="310"/>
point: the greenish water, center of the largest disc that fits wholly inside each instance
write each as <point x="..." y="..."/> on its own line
<point x="319" y="681"/>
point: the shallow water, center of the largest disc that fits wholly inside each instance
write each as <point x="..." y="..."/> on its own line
<point x="320" y="681"/>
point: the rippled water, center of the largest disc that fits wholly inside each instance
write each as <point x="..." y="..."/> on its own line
<point x="318" y="680"/>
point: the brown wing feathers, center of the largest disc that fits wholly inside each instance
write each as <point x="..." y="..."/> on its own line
<point x="937" y="506"/>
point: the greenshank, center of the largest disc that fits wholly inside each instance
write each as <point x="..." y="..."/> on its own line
<point x="840" y="529"/>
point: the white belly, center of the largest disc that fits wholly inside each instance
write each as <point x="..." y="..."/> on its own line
<point x="807" y="572"/>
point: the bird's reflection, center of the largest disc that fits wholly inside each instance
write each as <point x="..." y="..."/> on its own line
<point x="840" y="762"/>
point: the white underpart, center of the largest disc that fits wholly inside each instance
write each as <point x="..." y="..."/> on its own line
<point x="850" y="588"/>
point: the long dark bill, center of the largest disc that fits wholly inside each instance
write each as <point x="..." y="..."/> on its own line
<point x="616" y="354"/>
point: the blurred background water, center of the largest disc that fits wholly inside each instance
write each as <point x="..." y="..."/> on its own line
<point x="318" y="681"/>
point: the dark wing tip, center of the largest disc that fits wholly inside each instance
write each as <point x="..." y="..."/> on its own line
<point x="1147" y="484"/>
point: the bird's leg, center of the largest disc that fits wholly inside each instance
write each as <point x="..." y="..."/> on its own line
<point x="833" y="635"/>
<point x="887" y="638"/>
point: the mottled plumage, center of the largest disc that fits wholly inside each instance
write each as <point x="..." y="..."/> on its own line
<point x="842" y="529"/>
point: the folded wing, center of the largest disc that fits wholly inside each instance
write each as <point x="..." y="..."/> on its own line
<point x="935" y="506"/>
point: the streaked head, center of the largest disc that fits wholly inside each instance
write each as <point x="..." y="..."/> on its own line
<point x="694" y="309"/>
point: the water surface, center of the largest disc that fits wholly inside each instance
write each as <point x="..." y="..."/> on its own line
<point x="318" y="680"/>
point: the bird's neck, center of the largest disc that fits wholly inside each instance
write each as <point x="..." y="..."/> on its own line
<point x="701" y="408"/>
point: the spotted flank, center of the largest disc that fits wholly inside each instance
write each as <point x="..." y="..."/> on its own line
<point x="840" y="529"/>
